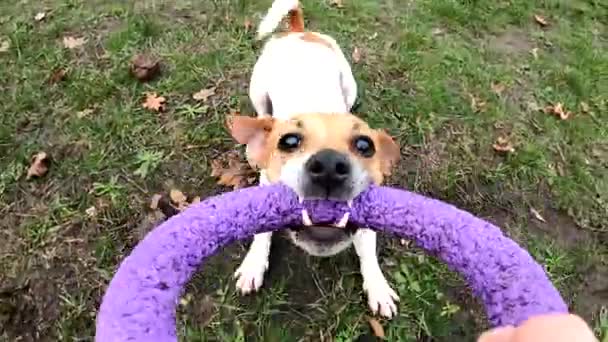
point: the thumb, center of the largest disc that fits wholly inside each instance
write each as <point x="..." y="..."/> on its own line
<point x="502" y="334"/>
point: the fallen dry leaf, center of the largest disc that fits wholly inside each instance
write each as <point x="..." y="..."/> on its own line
<point x="204" y="94"/>
<point x="232" y="171"/>
<point x="503" y="145"/>
<point x="154" y="201"/>
<point x="172" y="204"/>
<point x="497" y="88"/>
<point x="83" y="113"/>
<point x="534" y="53"/>
<point x="558" y="110"/>
<point x="437" y="31"/>
<point x="541" y="20"/>
<point x="177" y="197"/>
<point x="154" y="102"/>
<point x="377" y="328"/>
<point x="70" y="42"/>
<point x="356" y="55"/>
<point x="537" y="215"/>
<point x="247" y="24"/>
<point x="144" y="67"/>
<point x="91" y="212"/>
<point x="39" y="165"/>
<point x="40" y="16"/>
<point x="58" y="75"/>
<point x="4" y="45"/>
<point x="337" y="3"/>
<point x="477" y="105"/>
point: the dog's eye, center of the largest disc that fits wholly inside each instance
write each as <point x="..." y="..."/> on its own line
<point x="364" y="146"/>
<point x="289" y="142"/>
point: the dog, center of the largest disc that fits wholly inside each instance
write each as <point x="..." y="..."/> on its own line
<point x="312" y="143"/>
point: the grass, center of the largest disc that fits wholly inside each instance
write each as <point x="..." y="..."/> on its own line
<point x="426" y="73"/>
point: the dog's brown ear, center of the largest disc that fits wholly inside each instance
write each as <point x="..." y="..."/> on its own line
<point x="388" y="152"/>
<point x="253" y="132"/>
<point x="245" y="129"/>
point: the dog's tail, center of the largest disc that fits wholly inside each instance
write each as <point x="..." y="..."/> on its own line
<point x="278" y="10"/>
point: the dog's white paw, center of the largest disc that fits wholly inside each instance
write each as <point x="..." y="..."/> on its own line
<point x="250" y="275"/>
<point x="381" y="297"/>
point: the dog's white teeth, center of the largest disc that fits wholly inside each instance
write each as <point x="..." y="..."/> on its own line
<point x="305" y="218"/>
<point x="350" y="203"/>
<point x="343" y="221"/>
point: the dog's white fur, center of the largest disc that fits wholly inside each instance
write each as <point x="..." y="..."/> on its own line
<point x="298" y="76"/>
<point x="302" y="77"/>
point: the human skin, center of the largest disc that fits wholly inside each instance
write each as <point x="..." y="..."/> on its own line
<point x="550" y="328"/>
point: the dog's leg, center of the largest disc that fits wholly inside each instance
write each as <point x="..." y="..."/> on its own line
<point x="250" y="275"/>
<point x="380" y="296"/>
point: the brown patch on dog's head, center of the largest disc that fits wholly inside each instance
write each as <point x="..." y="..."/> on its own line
<point x="310" y="37"/>
<point x="268" y="141"/>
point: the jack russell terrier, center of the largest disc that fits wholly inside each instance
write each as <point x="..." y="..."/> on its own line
<point x="313" y="145"/>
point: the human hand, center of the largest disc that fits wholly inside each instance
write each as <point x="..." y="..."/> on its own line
<point x="549" y="328"/>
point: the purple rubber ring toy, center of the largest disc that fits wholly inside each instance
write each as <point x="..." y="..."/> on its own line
<point x="140" y="302"/>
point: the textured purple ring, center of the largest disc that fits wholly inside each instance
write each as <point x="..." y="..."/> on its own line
<point x="140" y="302"/>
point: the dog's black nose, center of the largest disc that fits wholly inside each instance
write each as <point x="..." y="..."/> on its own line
<point x="328" y="168"/>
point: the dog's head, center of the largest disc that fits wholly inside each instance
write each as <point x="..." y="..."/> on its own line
<point x="320" y="156"/>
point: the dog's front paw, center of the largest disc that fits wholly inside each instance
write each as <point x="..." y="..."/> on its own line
<point x="381" y="297"/>
<point x="250" y="275"/>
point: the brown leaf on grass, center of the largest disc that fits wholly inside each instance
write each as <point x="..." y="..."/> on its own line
<point x="171" y="204"/>
<point x="91" y="211"/>
<point x="204" y="94"/>
<point x="154" y="201"/>
<point x="558" y="110"/>
<point x="144" y="67"/>
<point x="537" y="215"/>
<point x="39" y="165"/>
<point x="40" y="16"/>
<point x="178" y="197"/>
<point x="4" y="45"/>
<point x="154" y="102"/>
<point x="497" y="88"/>
<point x="477" y="105"/>
<point x="70" y="42"/>
<point x="232" y="171"/>
<point x="437" y="31"/>
<point x="58" y="75"/>
<point x="534" y="53"/>
<point x="540" y="20"/>
<point x="247" y="24"/>
<point x="84" y="113"/>
<point x="337" y="3"/>
<point x="377" y="328"/>
<point x="356" y="55"/>
<point x="503" y="145"/>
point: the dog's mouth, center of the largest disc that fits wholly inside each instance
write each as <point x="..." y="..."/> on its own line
<point x="325" y="232"/>
<point x="342" y="223"/>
